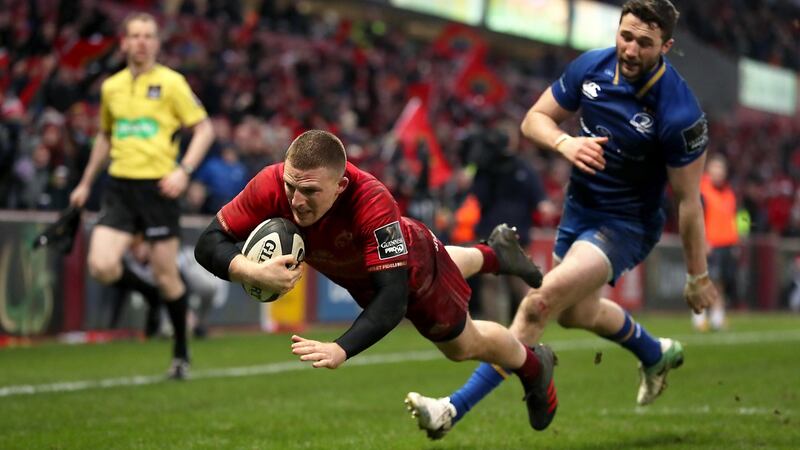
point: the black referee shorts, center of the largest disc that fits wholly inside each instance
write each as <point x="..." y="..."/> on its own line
<point x="137" y="206"/>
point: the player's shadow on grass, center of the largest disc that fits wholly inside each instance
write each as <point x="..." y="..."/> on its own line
<point x="662" y="439"/>
<point x="665" y="439"/>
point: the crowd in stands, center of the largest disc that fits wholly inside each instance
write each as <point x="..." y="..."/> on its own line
<point x="764" y="30"/>
<point x="265" y="75"/>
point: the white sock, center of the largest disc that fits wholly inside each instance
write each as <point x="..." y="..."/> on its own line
<point x="699" y="320"/>
<point x="717" y="317"/>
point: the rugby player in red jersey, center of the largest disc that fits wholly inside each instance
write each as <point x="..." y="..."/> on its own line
<point x="393" y="266"/>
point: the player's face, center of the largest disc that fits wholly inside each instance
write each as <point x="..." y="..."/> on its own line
<point x="639" y="47"/>
<point x="140" y="43"/>
<point x="311" y="193"/>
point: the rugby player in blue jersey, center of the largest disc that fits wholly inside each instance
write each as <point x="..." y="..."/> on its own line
<point x="641" y="127"/>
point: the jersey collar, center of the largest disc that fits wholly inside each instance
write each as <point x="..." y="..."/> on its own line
<point x="646" y="82"/>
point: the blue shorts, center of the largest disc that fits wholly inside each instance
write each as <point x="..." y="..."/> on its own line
<point x="625" y="242"/>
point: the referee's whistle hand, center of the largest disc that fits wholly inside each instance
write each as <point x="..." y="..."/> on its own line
<point x="174" y="184"/>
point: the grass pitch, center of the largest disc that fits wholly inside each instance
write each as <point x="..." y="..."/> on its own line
<point x="738" y="389"/>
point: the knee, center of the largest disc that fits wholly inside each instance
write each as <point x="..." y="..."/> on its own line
<point x="536" y="307"/>
<point x="104" y="270"/>
<point x="568" y="319"/>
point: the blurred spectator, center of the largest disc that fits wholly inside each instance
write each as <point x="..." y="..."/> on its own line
<point x="508" y="191"/>
<point x="223" y="177"/>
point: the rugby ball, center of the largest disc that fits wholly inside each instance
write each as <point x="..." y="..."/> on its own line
<point x="271" y="238"/>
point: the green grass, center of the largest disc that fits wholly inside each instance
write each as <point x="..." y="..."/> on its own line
<point x="738" y="389"/>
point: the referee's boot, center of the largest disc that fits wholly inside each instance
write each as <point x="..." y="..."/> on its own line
<point x="178" y="369"/>
<point x="510" y="256"/>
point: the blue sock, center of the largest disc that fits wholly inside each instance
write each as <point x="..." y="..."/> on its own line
<point x="483" y="381"/>
<point x="636" y="339"/>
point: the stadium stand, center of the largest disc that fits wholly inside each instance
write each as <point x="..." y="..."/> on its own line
<point x="266" y="74"/>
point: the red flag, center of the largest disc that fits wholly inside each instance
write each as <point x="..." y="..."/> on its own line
<point x="478" y="82"/>
<point x="85" y="50"/>
<point x="456" y="39"/>
<point x="412" y="129"/>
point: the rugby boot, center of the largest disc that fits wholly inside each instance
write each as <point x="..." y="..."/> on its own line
<point x="653" y="379"/>
<point x="178" y="369"/>
<point x="540" y="393"/>
<point x="434" y="415"/>
<point x="510" y="256"/>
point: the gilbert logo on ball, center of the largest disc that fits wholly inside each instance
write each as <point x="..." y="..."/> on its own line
<point x="272" y="237"/>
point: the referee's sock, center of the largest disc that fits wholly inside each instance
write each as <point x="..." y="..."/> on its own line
<point x="131" y="281"/>
<point x="177" y="315"/>
<point x="635" y="338"/>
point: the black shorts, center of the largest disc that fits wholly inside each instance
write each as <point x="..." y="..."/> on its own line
<point x="137" y="206"/>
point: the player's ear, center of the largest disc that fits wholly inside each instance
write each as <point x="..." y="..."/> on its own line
<point x="342" y="185"/>
<point x="666" y="46"/>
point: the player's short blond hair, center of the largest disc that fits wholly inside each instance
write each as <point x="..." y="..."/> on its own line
<point x="140" y="16"/>
<point x="317" y="148"/>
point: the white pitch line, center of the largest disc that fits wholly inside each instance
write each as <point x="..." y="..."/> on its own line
<point x="694" y="410"/>
<point x="694" y="340"/>
<point x="718" y="339"/>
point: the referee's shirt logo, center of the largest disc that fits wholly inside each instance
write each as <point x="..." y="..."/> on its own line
<point x="154" y="91"/>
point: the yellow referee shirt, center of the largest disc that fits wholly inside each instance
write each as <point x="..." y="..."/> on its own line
<point x="142" y="115"/>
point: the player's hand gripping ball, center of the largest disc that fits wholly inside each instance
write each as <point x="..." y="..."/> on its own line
<point x="271" y="238"/>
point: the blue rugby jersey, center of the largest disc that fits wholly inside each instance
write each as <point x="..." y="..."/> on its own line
<point x="652" y="123"/>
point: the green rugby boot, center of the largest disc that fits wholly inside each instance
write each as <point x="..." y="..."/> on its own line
<point x="653" y="379"/>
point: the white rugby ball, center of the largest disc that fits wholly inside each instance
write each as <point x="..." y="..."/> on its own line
<point x="272" y="237"/>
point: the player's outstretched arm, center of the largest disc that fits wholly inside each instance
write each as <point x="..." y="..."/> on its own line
<point x="699" y="291"/>
<point x="379" y="318"/>
<point x="541" y="126"/>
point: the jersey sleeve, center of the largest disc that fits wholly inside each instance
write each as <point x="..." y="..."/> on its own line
<point x="567" y="89"/>
<point x="257" y="202"/>
<point x="186" y="105"/>
<point x="381" y="232"/>
<point x="684" y="136"/>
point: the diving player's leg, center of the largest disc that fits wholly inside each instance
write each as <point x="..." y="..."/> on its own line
<point x="501" y="254"/>
<point x="441" y="316"/>
<point x="582" y="273"/>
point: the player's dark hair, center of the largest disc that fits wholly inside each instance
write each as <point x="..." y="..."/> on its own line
<point x="654" y="12"/>
<point x="142" y="16"/>
<point x="317" y="148"/>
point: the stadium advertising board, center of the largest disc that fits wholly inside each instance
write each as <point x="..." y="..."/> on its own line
<point x="464" y="11"/>
<point x="594" y="25"/>
<point x="767" y="88"/>
<point x="541" y="20"/>
<point x="29" y="282"/>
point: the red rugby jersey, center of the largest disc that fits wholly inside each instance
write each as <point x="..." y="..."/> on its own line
<point x="363" y="231"/>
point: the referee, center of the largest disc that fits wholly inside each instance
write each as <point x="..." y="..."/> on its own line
<point x="142" y="108"/>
